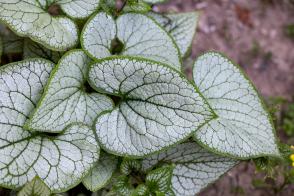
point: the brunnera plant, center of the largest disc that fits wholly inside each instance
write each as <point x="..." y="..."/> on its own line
<point x="100" y="98"/>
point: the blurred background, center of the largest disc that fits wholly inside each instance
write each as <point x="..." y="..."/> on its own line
<point x="259" y="36"/>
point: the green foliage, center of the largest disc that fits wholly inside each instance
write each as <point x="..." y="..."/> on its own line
<point x="124" y="92"/>
<point x="288" y="120"/>
<point x="289" y="29"/>
<point x="35" y="188"/>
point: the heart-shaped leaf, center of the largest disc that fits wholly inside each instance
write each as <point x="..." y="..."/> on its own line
<point x="101" y="173"/>
<point x="159" y="107"/>
<point x="137" y="34"/>
<point x="66" y="99"/>
<point x="60" y="161"/>
<point x="28" y="18"/>
<point x="243" y="128"/>
<point x="36" y="187"/>
<point x="181" y="26"/>
<point x="195" y="167"/>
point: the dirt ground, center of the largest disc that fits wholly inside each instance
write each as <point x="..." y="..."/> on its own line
<point x="251" y="33"/>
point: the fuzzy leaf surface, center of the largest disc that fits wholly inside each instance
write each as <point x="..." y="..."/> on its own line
<point x="243" y="128"/>
<point x="194" y="167"/>
<point x="60" y="161"/>
<point x="159" y="107"/>
<point x="139" y="34"/>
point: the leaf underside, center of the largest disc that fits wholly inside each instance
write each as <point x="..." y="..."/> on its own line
<point x="243" y="128"/>
<point x="194" y="167"/>
<point x="65" y="99"/>
<point x="59" y="161"/>
<point x="159" y="106"/>
<point x="139" y="34"/>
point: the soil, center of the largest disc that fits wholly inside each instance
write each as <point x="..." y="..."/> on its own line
<point x="251" y="33"/>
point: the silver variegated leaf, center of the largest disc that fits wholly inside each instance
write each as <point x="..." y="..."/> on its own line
<point x="123" y="187"/>
<point x="66" y="99"/>
<point x="194" y="167"/>
<point x="129" y="165"/>
<point x="36" y="187"/>
<point x="181" y="26"/>
<point x="78" y="8"/>
<point x="243" y="128"/>
<point x="139" y="34"/>
<point x="27" y="18"/>
<point x="60" y="161"/>
<point x="101" y="174"/>
<point x="159" y="106"/>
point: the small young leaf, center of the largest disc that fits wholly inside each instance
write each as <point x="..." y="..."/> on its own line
<point x="141" y="190"/>
<point x="182" y="27"/>
<point x="36" y="187"/>
<point x="195" y="167"/>
<point x="160" y="179"/>
<point x="123" y="187"/>
<point x="33" y="50"/>
<point x="137" y="6"/>
<point x="159" y="106"/>
<point x="129" y="165"/>
<point x="60" y="161"/>
<point x="243" y="128"/>
<point x="102" y="172"/>
<point x="66" y="99"/>
<point x="139" y="35"/>
<point x="28" y="19"/>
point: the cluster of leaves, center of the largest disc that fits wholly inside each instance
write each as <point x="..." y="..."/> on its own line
<point x="118" y="86"/>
